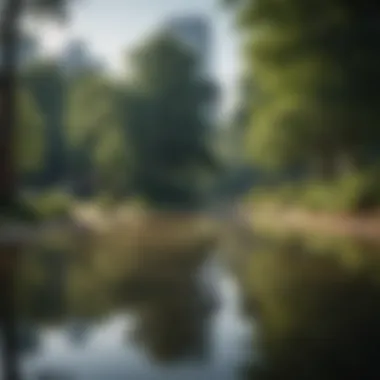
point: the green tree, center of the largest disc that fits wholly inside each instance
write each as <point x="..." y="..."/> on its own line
<point x="95" y="130"/>
<point x="48" y="85"/>
<point x="311" y="65"/>
<point x="166" y="120"/>
<point x="29" y="134"/>
<point x="12" y="12"/>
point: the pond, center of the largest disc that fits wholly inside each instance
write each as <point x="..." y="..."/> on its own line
<point x="277" y="308"/>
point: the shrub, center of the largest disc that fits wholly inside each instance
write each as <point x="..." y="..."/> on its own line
<point x="354" y="193"/>
<point x="53" y="203"/>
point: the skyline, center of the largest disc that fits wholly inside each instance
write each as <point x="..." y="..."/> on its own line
<point x="111" y="28"/>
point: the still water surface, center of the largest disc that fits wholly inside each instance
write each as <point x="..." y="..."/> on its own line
<point x="289" y="308"/>
<point x="183" y="326"/>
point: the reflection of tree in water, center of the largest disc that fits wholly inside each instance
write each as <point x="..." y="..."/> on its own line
<point x="319" y="315"/>
<point x="41" y="285"/>
<point x="172" y="322"/>
<point x="57" y="287"/>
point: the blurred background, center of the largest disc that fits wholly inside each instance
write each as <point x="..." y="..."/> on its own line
<point x="124" y="99"/>
<point x="189" y="189"/>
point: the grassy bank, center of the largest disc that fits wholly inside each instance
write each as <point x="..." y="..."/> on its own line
<point x="56" y="204"/>
<point x="130" y="222"/>
<point x="348" y="206"/>
<point x="351" y="194"/>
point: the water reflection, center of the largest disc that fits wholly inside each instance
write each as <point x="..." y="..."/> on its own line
<point x="122" y="308"/>
<point x="173" y="320"/>
<point x="289" y="308"/>
<point x="318" y="307"/>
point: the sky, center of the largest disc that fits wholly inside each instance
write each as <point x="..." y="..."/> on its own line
<point x="111" y="27"/>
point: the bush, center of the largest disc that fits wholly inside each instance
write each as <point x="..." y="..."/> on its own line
<point x="351" y="193"/>
<point x="354" y="193"/>
<point x="51" y="204"/>
<point x="319" y="196"/>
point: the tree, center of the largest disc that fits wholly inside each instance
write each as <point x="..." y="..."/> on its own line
<point x="166" y="121"/>
<point x="29" y="134"/>
<point x="48" y="86"/>
<point x="95" y="130"/>
<point x="12" y="12"/>
<point x="311" y="65"/>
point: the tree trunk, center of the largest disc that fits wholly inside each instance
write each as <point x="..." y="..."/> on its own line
<point x="9" y="30"/>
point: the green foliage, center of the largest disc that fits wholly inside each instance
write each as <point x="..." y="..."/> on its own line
<point x="29" y="136"/>
<point x="356" y="193"/>
<point x="353" y="193"/>
<point x="148" y="135"/>
<point x="90" y="108"/>
<point x="50" y="204"/>
<point x="311" y="66"/>
<point x="96" y="130"/>
<point x="165" y="121"/>
<point x="47" y="85"/>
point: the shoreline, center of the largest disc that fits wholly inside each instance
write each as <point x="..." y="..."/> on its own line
<point x="296" y="220"/>
<point x="262" y="217"/>
<point x="95" y="221"/>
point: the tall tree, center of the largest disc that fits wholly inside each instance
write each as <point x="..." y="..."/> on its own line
<point x="29" y="142"/>
<point x="10" y="16"/>
<point x="48" y="86"/>
<point x="95" y="130"/>
<point x="168" y="127"/>
<point x="12" y="12"/>
<point x="311" y="65"/>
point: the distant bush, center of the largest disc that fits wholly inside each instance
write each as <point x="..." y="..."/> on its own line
<point x="283" y="195"/>
<point x="355" y="193"/>
<point x="50" y="204"/>
<point x="351" y="193"/>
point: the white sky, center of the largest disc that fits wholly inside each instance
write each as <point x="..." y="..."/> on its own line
<point x="110" y="27"/>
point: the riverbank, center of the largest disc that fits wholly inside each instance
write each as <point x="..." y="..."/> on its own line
<point x="125" y="222"/>
<point x="285" y="219"/>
